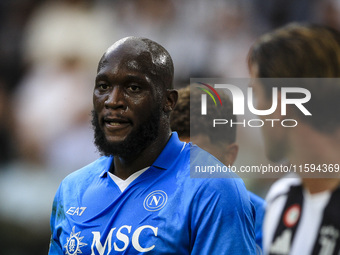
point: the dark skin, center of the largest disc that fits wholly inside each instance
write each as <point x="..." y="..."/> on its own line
<point x="128" y="88"/>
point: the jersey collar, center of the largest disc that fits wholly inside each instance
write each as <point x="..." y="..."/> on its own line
<point x="169" y="154"/>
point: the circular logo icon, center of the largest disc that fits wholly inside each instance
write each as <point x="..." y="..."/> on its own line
<point x="155" y="201"/>
<point x="74" y="243"/>
<point x="292" y="215"/>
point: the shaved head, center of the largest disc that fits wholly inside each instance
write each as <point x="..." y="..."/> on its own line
<point x="133" y="97"/>
<point x="146" y="54"/>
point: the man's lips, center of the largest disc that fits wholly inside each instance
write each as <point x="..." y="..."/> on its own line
<point x="116" y="123"/>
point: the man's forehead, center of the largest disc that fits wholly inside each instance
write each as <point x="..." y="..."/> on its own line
<point x="131" y="63"/>
<point x="127" y="56"/>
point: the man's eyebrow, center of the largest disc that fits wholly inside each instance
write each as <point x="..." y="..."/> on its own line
<point x="101" y="76"/>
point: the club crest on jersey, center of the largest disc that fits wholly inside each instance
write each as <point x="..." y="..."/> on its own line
<point x="155" y="201"/>
<point x="74" y="243"/>
<point x="292" y="215"/>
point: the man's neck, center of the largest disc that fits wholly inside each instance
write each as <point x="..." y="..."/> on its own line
<point x="313" y="148"/>
<point x="123" y="167"/>
<point x="317" y="185"/>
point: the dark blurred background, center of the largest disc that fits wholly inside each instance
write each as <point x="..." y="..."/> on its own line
<point x="48" y="58"/>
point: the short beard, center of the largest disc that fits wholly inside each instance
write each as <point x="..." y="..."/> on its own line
<point x="135" y="142"/>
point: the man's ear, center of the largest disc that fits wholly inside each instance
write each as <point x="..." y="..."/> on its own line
<point x="171" y="100"/>
<point x="230" y="154"/>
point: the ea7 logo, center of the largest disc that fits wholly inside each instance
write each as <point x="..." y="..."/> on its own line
<point x="155" y="201"/>
<point x="76" y="210"/>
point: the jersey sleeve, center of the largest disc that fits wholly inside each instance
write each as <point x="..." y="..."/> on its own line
<point x="223" y="219"/>
<point x="57" y="211"/>
<point x="260" y="207"/>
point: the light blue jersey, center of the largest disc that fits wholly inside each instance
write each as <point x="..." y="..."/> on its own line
<point x="163" y="211"/>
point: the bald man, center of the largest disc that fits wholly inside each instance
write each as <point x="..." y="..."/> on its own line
<point x="139" y="197"/>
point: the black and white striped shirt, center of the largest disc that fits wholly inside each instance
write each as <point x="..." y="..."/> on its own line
<point x="298" y="223"/>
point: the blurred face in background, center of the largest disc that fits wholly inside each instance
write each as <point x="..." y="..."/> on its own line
<point x="275" y="138"/>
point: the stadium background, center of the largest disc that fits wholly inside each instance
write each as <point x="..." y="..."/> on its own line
<point x="48" y="57"/>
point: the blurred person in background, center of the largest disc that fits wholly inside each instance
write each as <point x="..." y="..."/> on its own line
<point x="139" y="197"/>
<point x="46" y="54"/>
<point x="60" y="52"/>
<point x="302" y="215"/>
<point x="13" y="18"/>
<point x="221" y="143"/>
<point x="7" y="148"/>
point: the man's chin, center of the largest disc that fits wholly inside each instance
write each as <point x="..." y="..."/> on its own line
<point x="124" y="147"/>
<point x="127" y="142"/>
<point x="115" y="141"/>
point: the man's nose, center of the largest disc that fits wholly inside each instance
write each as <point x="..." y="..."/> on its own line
<point x="115" y="99"/>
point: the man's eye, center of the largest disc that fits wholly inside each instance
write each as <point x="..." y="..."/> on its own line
<point x="134" y="88"/>
<point x="103" y="86"/>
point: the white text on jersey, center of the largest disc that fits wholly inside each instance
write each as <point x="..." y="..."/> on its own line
<point x="76" y="211"/>
<point x="96" y="244"/>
